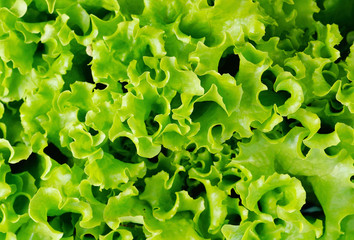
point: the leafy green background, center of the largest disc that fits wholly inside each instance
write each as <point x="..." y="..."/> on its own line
<point x="178" y="119"/>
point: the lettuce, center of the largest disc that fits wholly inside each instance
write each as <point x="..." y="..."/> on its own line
<point x="179" y="119"/>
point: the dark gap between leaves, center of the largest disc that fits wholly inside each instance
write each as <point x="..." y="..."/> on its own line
<point x="33" y="15"/>
<point x="233" y="194"/>
<point x="101" y="195"/>
<point x="196" y="191"/>
<point x="231" y="178"/>
<point x="234" y="219"/>
<point x="260" y="206"/>
<point x="229" y="63"/>
<point x="335" y="106"/>
<point x="151" y="125"/>
<point x="191" y="147"/>
<point x="53" y="152"/>
<point x="304" y="149"/>
<point x="123" y="149"/>
<point x="165" y="151"/>
<point x="124" y="89"/>
<point x="88" y="236"/>
<point x="325" y="128"/>
<point x="269" y="98"/>
<point x="87" y="72"/>
<point x="211" y="3"/>
<point x="332" y="150"/>
<point x="25" y="165"/>
<point x="268" y="78"/>
<point x="154" y="159"/>
<point x="100" y="86"/>
<point x="93" y="132"/>
<point x="311" y="210"/>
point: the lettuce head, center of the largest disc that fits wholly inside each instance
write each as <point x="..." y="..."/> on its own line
<point x="176" y="119"/>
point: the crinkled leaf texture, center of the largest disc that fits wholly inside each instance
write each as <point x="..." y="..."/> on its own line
<point x="176" y="119"/>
